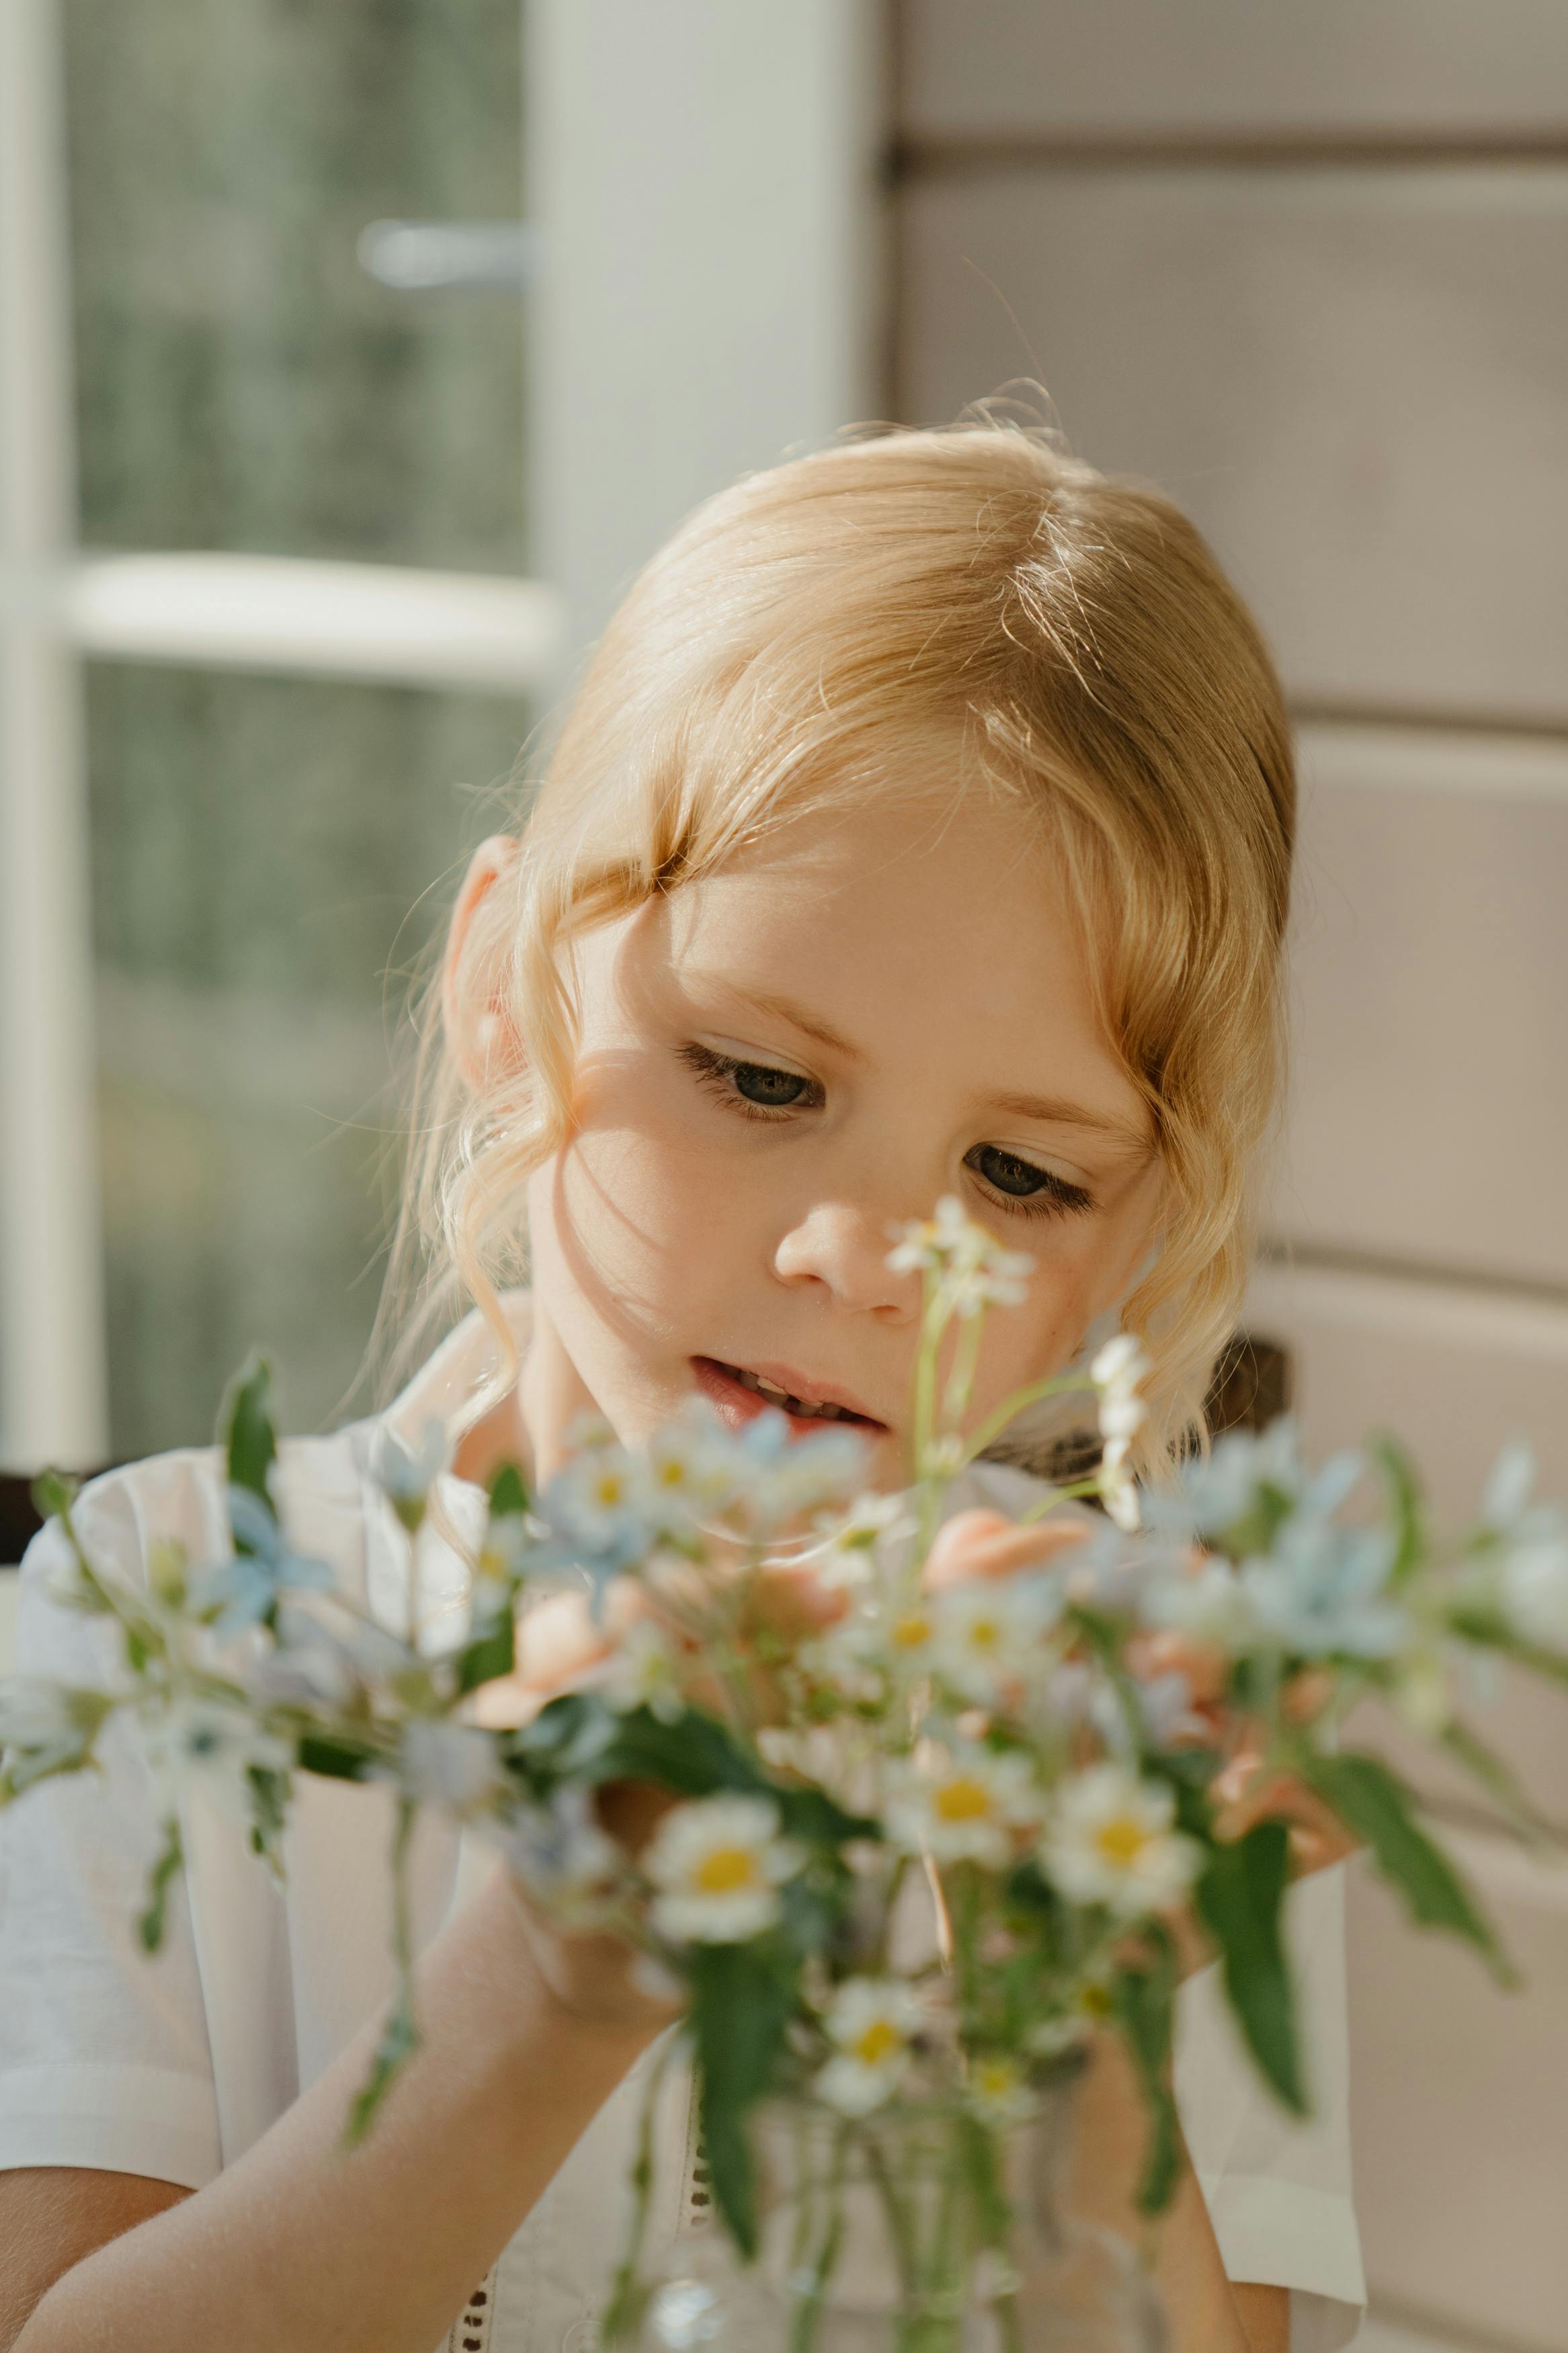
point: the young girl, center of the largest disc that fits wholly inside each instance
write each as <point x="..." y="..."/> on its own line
<point x="922" y="825"/>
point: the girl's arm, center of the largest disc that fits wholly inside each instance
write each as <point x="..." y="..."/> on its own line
<point x="1205" y="2313"/>
<point x="298" y="2245"/>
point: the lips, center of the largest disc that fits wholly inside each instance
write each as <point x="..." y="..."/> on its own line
<point x="741" y="1391"/>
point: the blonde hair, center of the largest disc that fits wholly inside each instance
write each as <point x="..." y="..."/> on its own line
<point x="813" y="634"/>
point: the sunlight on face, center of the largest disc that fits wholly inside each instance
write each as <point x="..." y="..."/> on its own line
<point x="782" y="1060"/>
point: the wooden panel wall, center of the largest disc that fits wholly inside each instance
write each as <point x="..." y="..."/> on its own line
<point x="1305" y="263"/>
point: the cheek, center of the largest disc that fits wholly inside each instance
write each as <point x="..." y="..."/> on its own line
<point x="1079" y="1272"/>
<point x="636" y="1200"/>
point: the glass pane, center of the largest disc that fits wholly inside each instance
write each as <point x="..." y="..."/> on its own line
<point x="260" y="851"/>
<point x="242" y="383"/>
<point x="262" y="846"/>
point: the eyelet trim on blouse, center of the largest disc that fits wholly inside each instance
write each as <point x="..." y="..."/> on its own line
<point x="699" y="2192"/>
<point x="470" y="2332"/>
<point x="695" y="2207"/>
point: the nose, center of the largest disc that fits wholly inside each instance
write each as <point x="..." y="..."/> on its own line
<point x="843" y="1247"/>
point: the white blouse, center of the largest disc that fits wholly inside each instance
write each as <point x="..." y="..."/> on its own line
<point x="172" y="2066"/>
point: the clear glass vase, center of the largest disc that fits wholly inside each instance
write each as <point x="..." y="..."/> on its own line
<point x="918" y="2230"/>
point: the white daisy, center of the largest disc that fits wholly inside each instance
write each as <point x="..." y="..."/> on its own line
<point x="962" y="1805"/>
<point x="690" y="1470"/>
<point x="1118" y="1491"/>
<point x="872" y="2020"/>
<point x="847" y="1657"/>
<point x="718" y="1864"/>
<point x="987" y="1632"/>
<point x="974" y="1270"/>
<point x="1109" y="1841"/>
<point x="848" y="1541"/>
<point x="643" y="1672"/>
<point x="998" y="2090"/>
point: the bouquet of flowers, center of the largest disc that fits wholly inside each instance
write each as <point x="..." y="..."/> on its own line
<point x="860" y="1708"/>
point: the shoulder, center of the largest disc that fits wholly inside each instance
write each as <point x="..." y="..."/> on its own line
<point x="179" y="1496"/>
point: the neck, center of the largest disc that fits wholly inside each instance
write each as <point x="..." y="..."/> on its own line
<point x="529" y="1425"/>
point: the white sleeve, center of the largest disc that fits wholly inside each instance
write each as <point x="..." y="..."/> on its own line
<point x="104" y="2058"/>
<point x="1278" y="2190"/>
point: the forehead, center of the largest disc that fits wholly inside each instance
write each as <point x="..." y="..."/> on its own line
<point x="943" y="937"/>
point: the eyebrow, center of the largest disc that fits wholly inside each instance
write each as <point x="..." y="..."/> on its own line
<point x="1055" y="1111"/>
<point x="786" y="1009"/>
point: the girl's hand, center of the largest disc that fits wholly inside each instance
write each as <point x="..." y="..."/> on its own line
<point x="982" y="1543"/>
<point x="594" y="1974"/>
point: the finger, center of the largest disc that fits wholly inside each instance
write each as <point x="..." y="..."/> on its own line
<point x="790" y="1598"/>
<point x="558" y="1641"/>
<point x="979" y="1543"/>
<point x="1167" y="1651"/>
<point x="1317" y="1837"/>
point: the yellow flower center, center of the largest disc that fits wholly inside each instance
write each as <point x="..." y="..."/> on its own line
<point x="994" y="2078"/>
<point x="908" y="1633"/>
<point x="963" y="1800"/>
<point x="1122" y="1839"/>
<point x="984" y="1633"/>
<point x="672" y="1474"/>
<point x="726" y="1871"/>
<point x="610" y="1488"/>
<point x="880" y="2043"/>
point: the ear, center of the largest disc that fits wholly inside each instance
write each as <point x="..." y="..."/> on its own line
<point x="483" y="1038"/>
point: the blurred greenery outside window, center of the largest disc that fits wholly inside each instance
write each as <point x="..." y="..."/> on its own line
<point x="270" y="854"/>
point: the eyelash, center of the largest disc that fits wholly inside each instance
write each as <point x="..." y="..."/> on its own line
<point x="1056" y="1197"/>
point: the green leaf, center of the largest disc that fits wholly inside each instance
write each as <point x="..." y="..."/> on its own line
<point x="1238" y="1898"/>
<point x="495" y="1653"/>
<point x="1374" y="1804"/>
<point x="509" y="1491"/>
<point x="742" y="1997"/>
<point x="693" y="1756"/>
<point x="54" y="1493"/>
<point x="1410" y="1510"/>
<point x="170" y="1855"/>
<point x="811" y="1815"/>
<point x="565" y="1737"/>
<point x="1189" y="1774"/>
<point x="244" y="1427"/>
<point x="1498" y="1779"/>
<point x="269" y="1811"/>
<point x="335" y="1759"/>
<point x="399" y="2041"/>
<point x="1145" y="2008"/>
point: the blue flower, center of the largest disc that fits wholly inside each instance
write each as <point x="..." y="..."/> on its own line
<point x="596" y="1517"/>
<point x="1321" y="1592"/>
<point x="1219" y="1490"/>
<point x="248" y="1587"/>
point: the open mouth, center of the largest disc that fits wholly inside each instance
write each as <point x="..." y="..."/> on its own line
<point x="739" y="1394"/>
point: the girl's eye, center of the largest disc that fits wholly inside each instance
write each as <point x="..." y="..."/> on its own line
<point x="1035" y="1192"/>
<point x="750" y="1088"/>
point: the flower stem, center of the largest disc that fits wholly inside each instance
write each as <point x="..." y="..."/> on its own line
<point x="627" y="2294"/>
<point x="808" y="2309"/>
<point x="991" y="1428"/>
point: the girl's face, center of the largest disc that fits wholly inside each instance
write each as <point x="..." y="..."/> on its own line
<point x="781" y="1062"/>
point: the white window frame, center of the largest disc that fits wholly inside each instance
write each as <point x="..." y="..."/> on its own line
<point x="704" y="178"/>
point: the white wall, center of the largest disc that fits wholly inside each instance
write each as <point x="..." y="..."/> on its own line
<point x="1305" y="265"/>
